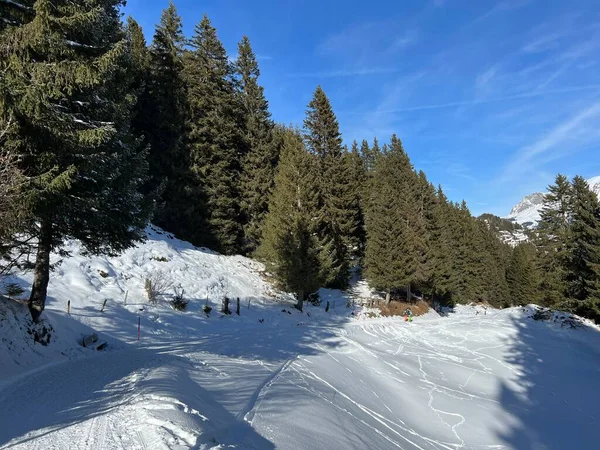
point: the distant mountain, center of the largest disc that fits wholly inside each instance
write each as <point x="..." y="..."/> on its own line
<point x="527" y="211"/>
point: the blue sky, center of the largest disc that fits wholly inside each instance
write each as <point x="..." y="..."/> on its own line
<point x="490" y="98"/>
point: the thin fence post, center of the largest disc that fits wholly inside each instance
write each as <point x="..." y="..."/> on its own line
<point x="334" y="304"/>
<point x="125" y="302"/>
<point x="104" y="305"/>
<point x="237" y="308"/>
<point x="139" y="326"/>
<point x="69" y="307"/>
<point x="248" y="303"/>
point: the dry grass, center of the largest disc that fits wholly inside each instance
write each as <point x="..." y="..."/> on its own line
<point x="397" y="308"/>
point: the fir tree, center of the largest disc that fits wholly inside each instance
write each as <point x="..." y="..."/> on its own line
<point x="395" y="246"/>
<point x="336" y="220"/>
<point x="161" y="114"/>
<point x="583" y="249"/>
<point x="260" y="160"/>
<point x="553" y="235"/>
<point x="213" y="135"/>
<point x="71" y="130"/>
<point x="521" y="275"/>
<point x="356" y="177"/>
<point x="289" y="244"/>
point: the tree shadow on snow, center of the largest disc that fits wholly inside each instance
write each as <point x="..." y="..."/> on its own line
<point x="554" y="403"/>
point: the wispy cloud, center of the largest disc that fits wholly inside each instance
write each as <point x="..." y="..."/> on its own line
<point x="529" y="156"/>
<point x="505" y="5"/>
<point x="494" y="100"/>
<point x="344" y="73"/>
<point x="366" y="42"/>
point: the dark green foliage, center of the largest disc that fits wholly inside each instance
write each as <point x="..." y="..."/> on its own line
<point x="499" y="224"/>
<point x="71" y="130"/>
<point x="396" y="243"/>
<point x="160" y="118"/>
<point x="289" y="244"/>
<point x="521" y="275"/>
<point x="262" y="146"/>
<point x="213" y="136"/>
<point x="355" y="179"/>
<point x="336" y="220"/>
<point x="552" y="236"/>
<point x="16" y="13"/>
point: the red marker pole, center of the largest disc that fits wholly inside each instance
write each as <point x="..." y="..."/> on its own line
<point x="139" y="322"/>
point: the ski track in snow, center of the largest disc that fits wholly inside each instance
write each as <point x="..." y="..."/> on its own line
<point x="288" y="381"/>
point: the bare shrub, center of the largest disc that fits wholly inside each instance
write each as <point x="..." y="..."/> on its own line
<point x="157" y="284"/>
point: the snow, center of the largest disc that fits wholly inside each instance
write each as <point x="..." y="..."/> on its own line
<point x="274" y="377"/>
<point x="528" y="210"/>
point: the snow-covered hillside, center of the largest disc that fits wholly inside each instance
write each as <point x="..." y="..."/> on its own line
<point x="527" y="211"/>
<point x="277" y="378"/>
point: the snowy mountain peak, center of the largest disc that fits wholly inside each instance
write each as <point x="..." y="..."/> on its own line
<point x="527" y="211"/>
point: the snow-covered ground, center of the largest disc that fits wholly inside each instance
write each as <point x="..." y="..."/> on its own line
<point x="277" y="378"/>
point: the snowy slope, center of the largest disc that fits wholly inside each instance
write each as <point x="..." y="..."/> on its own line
<point x="527" y="211"/>
<point x="277" y="378"/>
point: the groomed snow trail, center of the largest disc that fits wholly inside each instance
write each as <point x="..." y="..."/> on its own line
<point x="447" y="383"/>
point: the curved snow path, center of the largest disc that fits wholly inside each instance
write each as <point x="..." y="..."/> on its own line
<point x="460" y="382"/>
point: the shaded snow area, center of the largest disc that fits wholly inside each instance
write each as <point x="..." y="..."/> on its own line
<point x="277" y="378"/>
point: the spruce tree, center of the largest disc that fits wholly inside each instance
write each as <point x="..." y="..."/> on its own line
<point x="583" y="249"/>
<point x="260" y="159"/>
<point x="552" y="237"/>
<point x="521" y="275"/>
<point x="356" y="178"/>
<point x="71" y="130"/>
<point x="395" y="246"/>
<point x="213" y="135"/>
<point x="289" y="244"/>
<point x="161" y="115"/>
<point x="336" y="220"/>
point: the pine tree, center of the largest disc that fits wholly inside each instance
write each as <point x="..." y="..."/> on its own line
<point x="552" y="237"/>
<point x="260" y="160"/>
<point x="583" y="249"/>
<point x="521" y="275"/>
<point x="356" y="177"/>
<point x="213" y="135"/>
<point x="71" y="130"/>
<point x="395" y="228"/>
<point x="336" y="220"/>
<point x="161" y="115"/>
<point x="289" y="244"/>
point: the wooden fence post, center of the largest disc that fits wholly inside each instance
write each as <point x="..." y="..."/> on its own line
<point x="237" y="308"/>
<point x="125" y="302"/>
<point x="69" y="307"/>
<point x="248" y="303"/>
<point x="103" y="305"/>
<point x="139" y="326"/>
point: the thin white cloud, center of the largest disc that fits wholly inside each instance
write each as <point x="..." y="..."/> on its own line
<point x="344" y="73"/>
<point x="528" y="157"/>
<point x="494" y="100"/>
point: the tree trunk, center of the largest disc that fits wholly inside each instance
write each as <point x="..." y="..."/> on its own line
<point x="388" y="297"/>
<point x="41" y="273"/>
<point x="300" y="303"/>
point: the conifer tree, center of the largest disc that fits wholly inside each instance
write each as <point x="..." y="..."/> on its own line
<point x="71" y="130"/>
<point x="336" y="221"/>
<point x="289" y="244"/>
<point x="161" y="115"/>
<point x="395" y="228"/>
<point x="355" y="176"/>
<point x="552" y="238"/>
<point x="583" y="249"/>
<point x="521" y="275"/>
<point x="260" y="160"/>
<point x="213" y="135"/>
